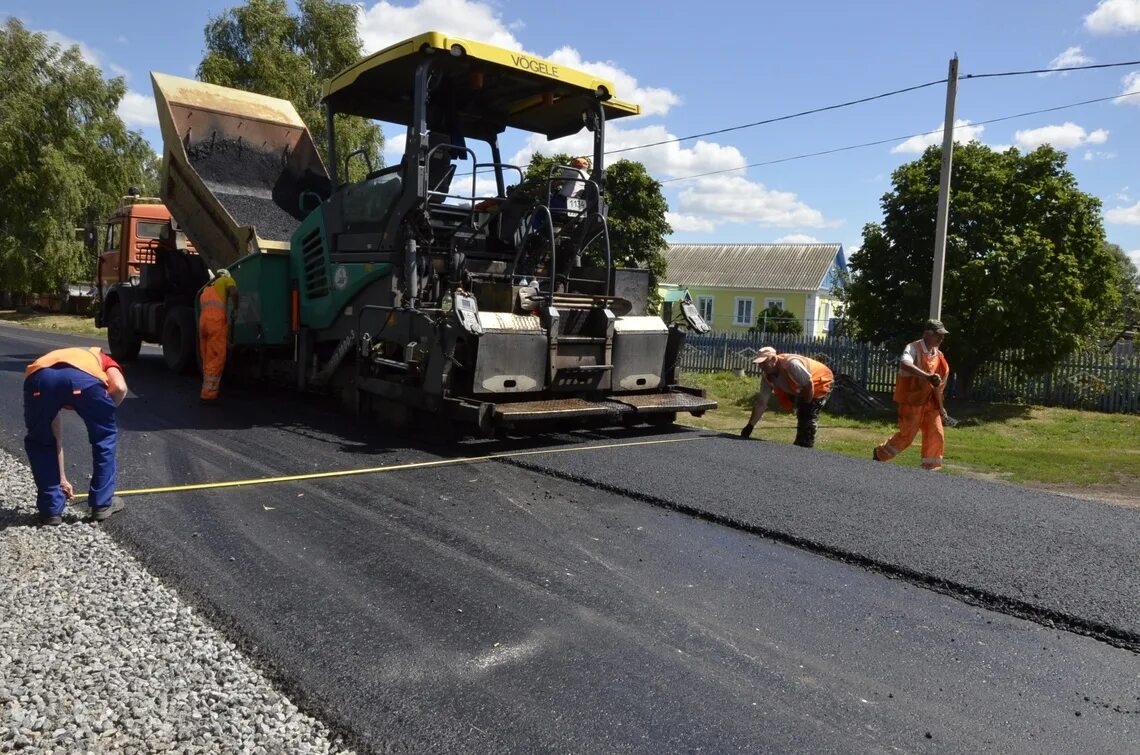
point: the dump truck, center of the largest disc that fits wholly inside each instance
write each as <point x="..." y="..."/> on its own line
<point x="146" y="279"/>
<point x="423" y="288"/>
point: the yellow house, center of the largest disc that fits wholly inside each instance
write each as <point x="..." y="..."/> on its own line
<point x="732" y="284"/>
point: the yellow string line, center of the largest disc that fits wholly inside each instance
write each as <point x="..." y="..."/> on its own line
<point x="390" y="468"/>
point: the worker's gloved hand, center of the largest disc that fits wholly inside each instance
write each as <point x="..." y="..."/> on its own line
<point x="746" y="431"/>
<point x="935" y="379"/>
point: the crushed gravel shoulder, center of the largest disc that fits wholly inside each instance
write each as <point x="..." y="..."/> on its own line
<point x="97" y="655"/>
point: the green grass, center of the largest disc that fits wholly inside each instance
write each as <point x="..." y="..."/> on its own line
<point x="77" y="324"/>
<point x="1049" y="447"/>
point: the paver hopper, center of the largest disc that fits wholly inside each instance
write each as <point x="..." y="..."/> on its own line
<point x="240" y="170"/>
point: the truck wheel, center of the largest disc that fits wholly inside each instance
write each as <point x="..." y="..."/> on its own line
<point x="123" y="342"/>
<point x="180" y="340"/>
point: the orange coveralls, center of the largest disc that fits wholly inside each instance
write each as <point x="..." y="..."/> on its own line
<point x="212" y="340"/>
<point x="918" y="410"/>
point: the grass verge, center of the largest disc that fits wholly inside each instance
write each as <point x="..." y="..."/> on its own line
<point x="77" y="324"/>
<point x="1064" y="450"/>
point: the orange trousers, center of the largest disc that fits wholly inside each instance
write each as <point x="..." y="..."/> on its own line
<point x="212" y="335"/>
<point x="912" y="420"/>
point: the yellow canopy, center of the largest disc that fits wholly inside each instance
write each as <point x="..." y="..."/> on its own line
<point x="483" y="89"/>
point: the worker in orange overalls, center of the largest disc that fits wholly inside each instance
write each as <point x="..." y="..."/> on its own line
<point x="215" y="302"/>
<point x="923" y="370"/>
<point x="798" y="382"/>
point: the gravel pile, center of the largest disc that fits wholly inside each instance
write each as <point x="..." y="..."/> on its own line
<point x="97" y="656"/>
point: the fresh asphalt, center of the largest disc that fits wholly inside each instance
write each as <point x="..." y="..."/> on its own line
<point x="711" y="594"/>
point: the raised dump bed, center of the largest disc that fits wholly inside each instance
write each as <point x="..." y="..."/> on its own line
<point x="239" y="171"/>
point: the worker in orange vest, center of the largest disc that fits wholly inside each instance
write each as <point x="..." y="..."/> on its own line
<point x="90" y="383"/>
<point x="923" y="370"/>
<point x="798" y="382"/>
<point x="216" y="300"/>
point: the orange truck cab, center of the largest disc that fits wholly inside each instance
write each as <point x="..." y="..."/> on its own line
<point x="147" y="278"/>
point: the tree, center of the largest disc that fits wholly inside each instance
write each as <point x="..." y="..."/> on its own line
<point x="776" y="319"/>
<point x="65" y="157"/>
<point x="1026" y="264"/>
<point x="636" y="217"/>
<point x="259" y="47"/>
<point x="1127" y="315"/>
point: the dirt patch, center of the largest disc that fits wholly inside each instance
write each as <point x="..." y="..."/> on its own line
<point x="1121" y="495"/>
<point x="1124" y="493"/>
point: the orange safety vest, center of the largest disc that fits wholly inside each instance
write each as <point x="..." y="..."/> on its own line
<point x="211" y="298"/>
<point x="911" y="390"/>
<point x="821" y="379"/>
<point x="87" y="360"/>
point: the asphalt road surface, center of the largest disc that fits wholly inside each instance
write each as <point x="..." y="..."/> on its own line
<point x="625" y="591"/>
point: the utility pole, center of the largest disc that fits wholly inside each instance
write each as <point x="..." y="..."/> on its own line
<point x="944" y="192"/>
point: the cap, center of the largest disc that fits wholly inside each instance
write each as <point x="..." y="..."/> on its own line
<point x="221" y="272"/>
<point x="936" y="326"/>
<point x="764" y="355"/>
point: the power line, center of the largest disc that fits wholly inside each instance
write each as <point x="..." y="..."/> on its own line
<point x="1047" y="70"/>
<point x="782" y="117"/>
<point x="894" y="139"/>
<point x="862" y="100"/>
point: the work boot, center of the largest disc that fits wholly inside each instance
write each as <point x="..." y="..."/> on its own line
<point x="50" y="521"/>
<point x="102" y="512"/>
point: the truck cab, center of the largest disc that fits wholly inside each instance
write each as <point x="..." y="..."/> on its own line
<point x="147" y="277"/>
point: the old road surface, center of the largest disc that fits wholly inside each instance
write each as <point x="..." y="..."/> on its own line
<point x="697" y="594"/>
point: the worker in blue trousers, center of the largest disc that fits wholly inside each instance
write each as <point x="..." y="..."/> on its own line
<point x="92" y="384"/>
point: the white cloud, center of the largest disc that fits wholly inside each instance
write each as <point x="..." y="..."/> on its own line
<point x="385" y="23"/>
<point x="1134" y="255"/>
<point x="64" y="41"/>
<point x="963" y="133"/>
<point x="1131" y="84"/>
<point x="1124" y="215"/>
<point x="1065" y="136"/>
<point x="735" y="199"/>
<point x="797" y="238"/>
<point x="1114" y="16"/>
<point x="672" y="160"/>
<point x="693" y="223"/>
<point x="653" y="100"/>
<point x="138" y="109"/>
<point x="1070" y="57"/>
<point x="395" y="139"/>
<point x="1091" y="155"/>
<point x="1000" y="147"/>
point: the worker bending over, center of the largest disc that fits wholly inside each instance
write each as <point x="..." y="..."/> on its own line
<point x="798" y="382"/>
<point x="92" y="384"/>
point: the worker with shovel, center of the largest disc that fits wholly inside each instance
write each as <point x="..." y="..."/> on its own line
<point x="919" y="387"/>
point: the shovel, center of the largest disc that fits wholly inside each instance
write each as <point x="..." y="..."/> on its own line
<point x="947" y="420"/>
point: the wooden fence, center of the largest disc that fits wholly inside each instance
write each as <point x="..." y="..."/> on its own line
<point x="1088" y="380"/>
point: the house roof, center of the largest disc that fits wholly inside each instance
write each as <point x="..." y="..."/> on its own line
<point x="774" y="267"/>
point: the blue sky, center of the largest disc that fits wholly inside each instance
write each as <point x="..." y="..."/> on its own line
<point x="698" y="68"/>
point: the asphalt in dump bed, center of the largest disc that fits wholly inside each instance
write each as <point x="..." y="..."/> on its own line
<point x="1032" y="554"/>
<point x="245" y="181"/>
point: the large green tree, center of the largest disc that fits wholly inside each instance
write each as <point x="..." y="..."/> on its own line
<point x="261" y="47"/>
<point x="65" y="159"/>
<point x="636" y="216"/>
<point x="1026" y="263"/>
